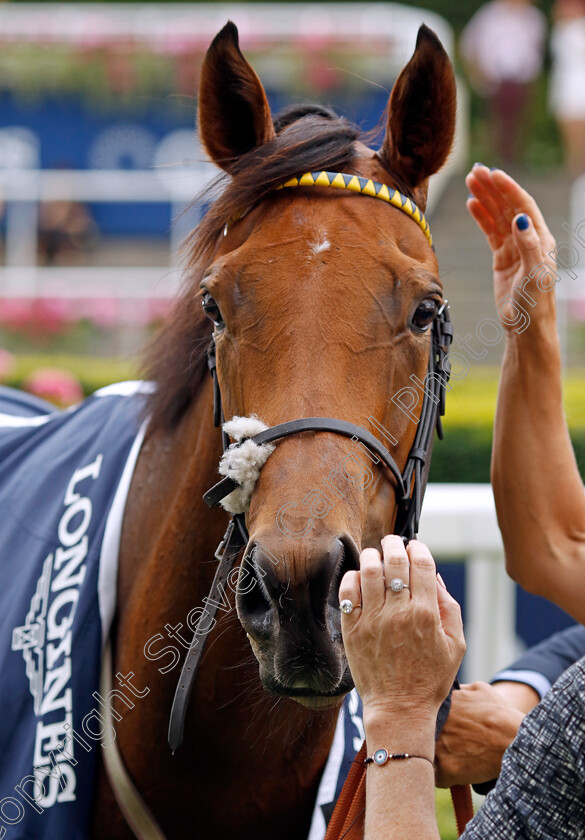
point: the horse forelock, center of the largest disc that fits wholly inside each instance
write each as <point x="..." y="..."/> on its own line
<point x="309" y="137"/>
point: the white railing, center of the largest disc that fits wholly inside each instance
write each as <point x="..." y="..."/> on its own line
<point x="22" y="191"/>
<point x="459" y="524"/>
<point x="269" y="28"/>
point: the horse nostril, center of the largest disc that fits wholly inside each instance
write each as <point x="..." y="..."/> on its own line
<point x="253" y="600"/>
<point x="266" y="604"/>
<point x="348" y="561"/>
<point x="351" y="556"/>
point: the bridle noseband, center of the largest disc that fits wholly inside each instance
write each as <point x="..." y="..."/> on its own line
<point x="409" y="482"/>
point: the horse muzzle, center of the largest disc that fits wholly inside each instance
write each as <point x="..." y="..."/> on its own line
<point x="289" y="606"/>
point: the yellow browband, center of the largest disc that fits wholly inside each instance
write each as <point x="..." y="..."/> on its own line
<point x="365" y="186"/>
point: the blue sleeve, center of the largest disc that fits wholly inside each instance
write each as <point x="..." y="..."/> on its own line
<point x="542" y="665"/>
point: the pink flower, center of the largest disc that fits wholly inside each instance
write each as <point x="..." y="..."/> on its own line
<point x="55" y="385"/>
<point x="38" y="317"/>
<point x="578" y="309"/>
<point x="103" y="312"/>
<point x="15" y="312"/>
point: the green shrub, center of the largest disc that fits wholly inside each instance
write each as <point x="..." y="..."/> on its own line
<point x="464" y="454"/>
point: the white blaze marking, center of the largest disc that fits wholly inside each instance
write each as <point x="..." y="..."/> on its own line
<point x="322" y="244"/>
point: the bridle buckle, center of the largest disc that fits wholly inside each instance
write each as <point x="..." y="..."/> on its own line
<point x="223" y="543"/>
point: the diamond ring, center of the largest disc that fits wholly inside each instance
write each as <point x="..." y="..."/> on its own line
<point x="397" y="585"/>
<point x="347" y="606"/>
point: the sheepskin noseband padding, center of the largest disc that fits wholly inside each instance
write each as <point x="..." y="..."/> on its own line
<point x="243" y="460"/>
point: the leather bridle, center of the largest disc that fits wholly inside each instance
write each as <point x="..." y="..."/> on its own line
<point x="409" y="483"/>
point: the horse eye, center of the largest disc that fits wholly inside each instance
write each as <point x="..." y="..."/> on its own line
<point x="211" y="309"/>
<point x="425" y="314"/>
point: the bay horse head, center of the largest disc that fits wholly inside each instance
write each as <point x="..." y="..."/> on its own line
<point x="322" y="302"/>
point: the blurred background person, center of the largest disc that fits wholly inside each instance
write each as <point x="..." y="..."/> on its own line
<point x="567" y="80"/>
<point x="503" y="47"/>
<point x="67" y="233"/>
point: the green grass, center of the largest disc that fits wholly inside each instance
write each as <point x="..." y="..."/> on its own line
<point x="445" y="815"/>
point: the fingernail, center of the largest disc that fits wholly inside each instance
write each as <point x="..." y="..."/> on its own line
<point x="441" y="581"/>
<point x="522" y="222"/>
<point x="471" y="195"/>
<point x="478" y="163"/>
<point x="494" y="168"/>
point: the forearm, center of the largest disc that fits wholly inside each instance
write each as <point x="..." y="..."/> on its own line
<point x="537" y="487"/>
<point x="523" y="697"/>
<point x="538" y="491"/>
<point x="400" y="795"/>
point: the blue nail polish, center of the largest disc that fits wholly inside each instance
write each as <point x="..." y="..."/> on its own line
<point x="478" y="163"/>
<point x="471" y="195"/>
<point x="522" y="222"/>
<point x="494" y="168"/>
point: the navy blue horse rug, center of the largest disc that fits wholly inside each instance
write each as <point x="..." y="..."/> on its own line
<point x="64" y="478"/>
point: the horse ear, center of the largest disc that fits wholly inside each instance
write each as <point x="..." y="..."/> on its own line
<point x="234" y="115"/>
<point x="421" y="118"/>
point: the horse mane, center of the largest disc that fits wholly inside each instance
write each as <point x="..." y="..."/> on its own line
<point x="308" y="137"/>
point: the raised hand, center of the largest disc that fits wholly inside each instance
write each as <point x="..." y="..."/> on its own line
<point x="520" y="241"/>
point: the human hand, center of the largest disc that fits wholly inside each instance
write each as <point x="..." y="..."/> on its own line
<point x="524" y="272"/>
<point x="403" y="648"/>
<point x="481" y="725"/>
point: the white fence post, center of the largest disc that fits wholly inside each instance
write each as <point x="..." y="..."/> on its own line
<point x="490" y="608"/>
<point x="19" y="155"/>
<point x="459" y="524"/>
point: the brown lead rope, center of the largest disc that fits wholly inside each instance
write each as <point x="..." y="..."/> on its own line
<point x="348" y="817"/>
<point x="462" y="805"/>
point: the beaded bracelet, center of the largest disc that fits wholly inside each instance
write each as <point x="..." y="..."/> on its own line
<point x="380" y="757"/>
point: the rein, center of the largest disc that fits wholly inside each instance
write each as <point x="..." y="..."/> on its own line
<point x="409" y="483"/>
